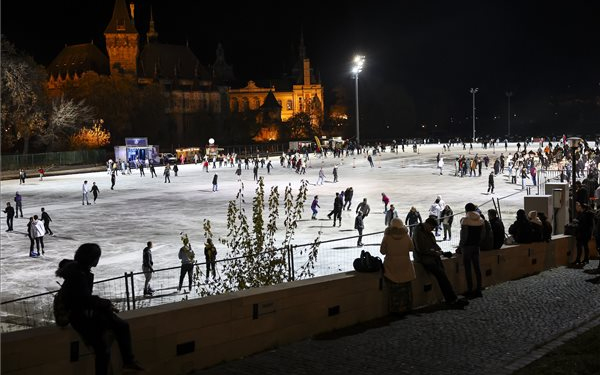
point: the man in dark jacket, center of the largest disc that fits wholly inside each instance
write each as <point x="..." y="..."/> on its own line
<point x="427" y="252"/>
<point x="472" y="231"/>
<point x="348" y="197"/>
<point x="497" y="228"/>
<point x="10" y="214"/>
<point x="412" y="218"/>
<point x="583" y="232"/>
<point x="148" y="268"/>
<point x="46" y="219"/>
<point x="92" y="316"/>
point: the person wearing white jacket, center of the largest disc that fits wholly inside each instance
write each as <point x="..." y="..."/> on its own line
<point x="37" y="232"/>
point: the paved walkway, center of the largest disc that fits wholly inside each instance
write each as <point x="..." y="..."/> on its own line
<point x="514" y="324"/>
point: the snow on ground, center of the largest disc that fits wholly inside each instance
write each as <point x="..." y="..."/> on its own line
<point x="142" y="209"/>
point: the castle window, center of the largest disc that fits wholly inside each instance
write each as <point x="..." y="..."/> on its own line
<point x="256" y="104"/>
<point x="245" y="105"/>
<point x="234" y="105"/>
<point x="120" y="24"/>
<point x="300" y="106"/>
<point x="289" y="105"/>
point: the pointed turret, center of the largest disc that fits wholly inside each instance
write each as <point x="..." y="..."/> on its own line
<point x="120" y="23"/>
<point x="151" y="35"/>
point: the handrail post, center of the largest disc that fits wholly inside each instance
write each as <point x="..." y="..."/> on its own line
<point x="132" y="289"/>
<point x="127" y="292"/>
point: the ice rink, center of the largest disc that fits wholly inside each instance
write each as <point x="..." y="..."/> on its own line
<point x="142" y="209"/>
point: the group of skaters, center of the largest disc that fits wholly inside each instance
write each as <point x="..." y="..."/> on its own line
<point x="187" y="257"/>
<point x="36" y="228"/>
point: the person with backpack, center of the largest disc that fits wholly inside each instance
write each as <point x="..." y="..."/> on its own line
<point x="91" y="316"/>
<point x="398" y="270"/>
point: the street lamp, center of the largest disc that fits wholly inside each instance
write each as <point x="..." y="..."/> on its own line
<point x="474" y="91"/>
<point x="357" y="68"/>
<point x="574" y="145"/>
<point x="508" y="95"/>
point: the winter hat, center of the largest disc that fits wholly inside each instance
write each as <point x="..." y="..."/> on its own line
<point x="532" y="216"/>
<point x="431" y="221"/>
<point x="397" y="223"/>
<point x="470" y="207"/>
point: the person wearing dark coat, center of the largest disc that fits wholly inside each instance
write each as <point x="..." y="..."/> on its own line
<point x="427" y="252"/>
<point x="10" y="214"/>
<point x="497" y="228"/>
<point x="521" y="228"/>
<point x="215" y="186"/>
<point x="491" y="183"/>
<point x="348" y="197"/>
<point x="90" y="315"/>
<point x="583" y="232"/>
<point x="546" y="227"/>
<point x="46" y="219"/>
<point x="412" y="219"/>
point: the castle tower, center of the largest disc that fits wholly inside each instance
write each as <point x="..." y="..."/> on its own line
<point x="122" y="41"/>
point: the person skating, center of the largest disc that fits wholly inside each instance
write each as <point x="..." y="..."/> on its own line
<point x="84" y="191"/>
<point x="359" y="225"/>
<point x="37" y="232"/>
<point x="215" y="186"/>
<point x="412" y="219"/>
<point x="321" y="177"/>
<point x="348" y="194"/>
<point x="46" y="219"/>
<point x="18" y="204"/>
<point x="10" y="214"/>
<point x="167" y="173"/>
<point x="314" y="205"/>
<point x="148" y="268"/>
<point x="210" y="257"/>
<point x="337" y="209"/>
<point x="386" y="201"/>
<point x="491" y="183"/>
<point x="95" y="191"/>
<point x="364" y="208"/>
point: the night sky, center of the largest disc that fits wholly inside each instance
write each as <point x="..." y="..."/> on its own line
<point x="422" y="56"/>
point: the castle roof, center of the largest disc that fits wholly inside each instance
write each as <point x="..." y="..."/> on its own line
<point x="120" y="22"/>
<point x="78" y="59"/>
<point x="170" y="61"/>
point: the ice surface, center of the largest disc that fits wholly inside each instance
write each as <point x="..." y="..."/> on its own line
<point x="142" y="209"/>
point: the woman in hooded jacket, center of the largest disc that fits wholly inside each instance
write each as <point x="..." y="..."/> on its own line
<point x="398" y="270"/>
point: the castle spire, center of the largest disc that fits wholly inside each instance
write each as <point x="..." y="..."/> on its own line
<point x="152" y="34"/>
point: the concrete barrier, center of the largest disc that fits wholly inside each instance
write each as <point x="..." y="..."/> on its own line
<point x="178" y="337"/>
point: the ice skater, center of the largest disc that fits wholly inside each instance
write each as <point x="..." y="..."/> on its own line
<point x="95" y="191"/>
<point x="359" y="225"/>
<point x="314" y="205"/>
<point x="215" y="187"/>
<point x="84" y="191"/>
<point x="491" y="183"/>
<point x="46" y="219"/>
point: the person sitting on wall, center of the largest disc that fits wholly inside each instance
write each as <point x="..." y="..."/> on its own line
<point x="521" y="228"/>
<point x="427" y="252"/>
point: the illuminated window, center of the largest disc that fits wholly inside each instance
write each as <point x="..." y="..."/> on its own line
<point x="289" y="105"/>
<point x="300" y="106"/>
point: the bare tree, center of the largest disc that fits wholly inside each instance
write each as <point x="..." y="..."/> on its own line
<point x="23" y="97"/>
<point x="66" y="117"/>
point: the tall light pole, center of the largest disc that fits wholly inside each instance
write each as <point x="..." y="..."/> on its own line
<point x="474" y="91"/>
<point x="357" y="68"/>
<point x="508" y="95"/>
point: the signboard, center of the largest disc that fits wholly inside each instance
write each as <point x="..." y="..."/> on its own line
<point x="140" y="142"/>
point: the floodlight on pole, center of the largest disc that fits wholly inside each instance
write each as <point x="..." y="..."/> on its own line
<point x="359" y="61"/>
<point x="474" y="91"/>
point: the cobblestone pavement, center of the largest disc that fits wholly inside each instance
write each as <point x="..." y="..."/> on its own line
<point x="515" y="323"/>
